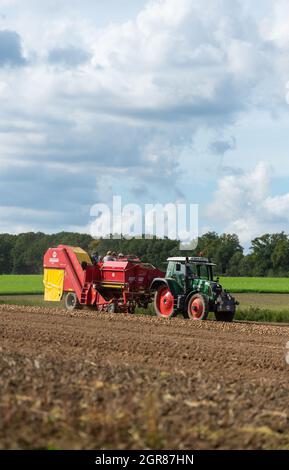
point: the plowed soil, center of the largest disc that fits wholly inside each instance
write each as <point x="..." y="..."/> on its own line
<point x="99" y="381"/>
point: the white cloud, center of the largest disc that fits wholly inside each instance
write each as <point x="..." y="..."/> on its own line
<point x="275" y="27"/>
<point x="124" y="102"/>
<point x="278" y="208"/>
<point x="4" y="3"/>
<point x="244" y="205"/>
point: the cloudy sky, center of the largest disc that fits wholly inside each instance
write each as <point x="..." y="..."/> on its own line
<point x="156" y="101"/>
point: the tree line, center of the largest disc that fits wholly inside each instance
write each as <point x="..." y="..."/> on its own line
<point x="268" y="254"/>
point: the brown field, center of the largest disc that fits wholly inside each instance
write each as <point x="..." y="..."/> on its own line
<point x="128" y="382"/>
<point x="266" y="301"/>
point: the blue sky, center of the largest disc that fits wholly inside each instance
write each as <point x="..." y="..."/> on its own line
<point x="156" y="101"/>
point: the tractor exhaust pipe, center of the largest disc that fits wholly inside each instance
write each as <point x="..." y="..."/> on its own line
<point x="187" y="276"/>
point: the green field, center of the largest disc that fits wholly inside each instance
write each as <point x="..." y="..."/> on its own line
<point x="27" y="284"/>
<point x="17" y="284"/>
<point x="274" y="285"/>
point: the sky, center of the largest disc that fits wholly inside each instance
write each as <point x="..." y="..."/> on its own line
<point x="157" y="101"/>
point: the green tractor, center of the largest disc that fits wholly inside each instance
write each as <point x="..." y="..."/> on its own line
<point x="189" y="288"/>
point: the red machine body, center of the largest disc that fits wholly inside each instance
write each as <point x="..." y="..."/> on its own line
<point x="113" y="285"/>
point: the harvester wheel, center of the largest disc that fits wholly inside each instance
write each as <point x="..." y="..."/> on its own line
<point x="111" y="308"/>
<point x="71" y="302"/>
<point x="164" y="302"/>
<point x="198" y="308"/>
<point x="226" y="317"/>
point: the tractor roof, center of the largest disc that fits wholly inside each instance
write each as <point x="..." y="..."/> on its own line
<point x="193" y="260"/>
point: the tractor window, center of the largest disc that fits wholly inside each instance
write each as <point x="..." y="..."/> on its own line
<point x="193" y="270"/>
<point x="170" y="269"/>
<point x="203" y="271"/>
<point x="182" y="268"/>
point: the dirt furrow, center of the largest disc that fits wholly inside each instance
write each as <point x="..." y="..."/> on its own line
<point x="99" y="381"/>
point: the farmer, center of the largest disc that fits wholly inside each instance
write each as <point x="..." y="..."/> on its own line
<point x="95" y="258"/>
<point x="108" y="257"/>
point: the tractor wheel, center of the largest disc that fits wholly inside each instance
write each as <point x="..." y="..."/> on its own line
<point x="198" y="308"/>
<point x="164" y="302"/>
<point x="226" y="317"/>
<point x="71" y="302"/>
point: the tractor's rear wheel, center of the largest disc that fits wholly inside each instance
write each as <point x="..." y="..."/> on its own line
<point x="198" y="308"/>
<point x="226" y="317"/>
<point x="164" y="302"/>
<point x="71" y="302"/>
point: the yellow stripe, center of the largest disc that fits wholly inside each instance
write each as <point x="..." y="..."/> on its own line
<point x="114" y="286"/>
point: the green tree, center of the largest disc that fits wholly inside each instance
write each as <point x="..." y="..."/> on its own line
<point x="220" y="248"/>
<point x="234" y="264"/>
<point x="269" y="254"/>
<point x="246" y="267"/>
<point x="262" y="250"/>
<point x="280" y="257"/>
<point x="229" y="246"/>
<point x="6" y="245"/>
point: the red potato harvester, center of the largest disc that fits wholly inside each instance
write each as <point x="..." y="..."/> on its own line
<point x="113" y="286"/>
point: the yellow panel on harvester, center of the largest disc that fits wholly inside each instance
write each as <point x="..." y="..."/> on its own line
<point x="81" y="255"/>
<point x="53" y="282"/>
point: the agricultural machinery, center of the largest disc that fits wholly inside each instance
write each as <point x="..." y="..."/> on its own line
<point x="113" y="286"/>
<point x="189" y="288"/>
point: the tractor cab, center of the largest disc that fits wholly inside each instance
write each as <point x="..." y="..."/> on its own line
<point x="198" y="268"/>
